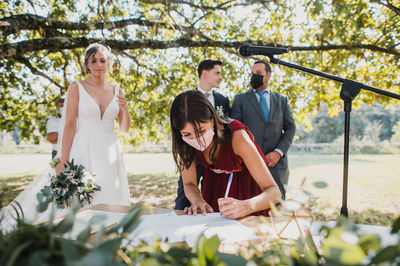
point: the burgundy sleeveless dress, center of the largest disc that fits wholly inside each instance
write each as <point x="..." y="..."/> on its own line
<point x="215" y="179"/>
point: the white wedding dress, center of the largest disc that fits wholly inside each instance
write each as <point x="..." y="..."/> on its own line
<point x="97" y="148"/>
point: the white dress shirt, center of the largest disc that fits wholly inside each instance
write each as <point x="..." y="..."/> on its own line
<point x="53" y="126"/>
<point x="210" y="96"/>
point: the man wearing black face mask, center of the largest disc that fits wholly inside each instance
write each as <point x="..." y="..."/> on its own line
<point x="269" y="117"/>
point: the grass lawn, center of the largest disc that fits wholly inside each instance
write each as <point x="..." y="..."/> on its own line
<point x="373" y="187"/>
<point x="373" y="197"/>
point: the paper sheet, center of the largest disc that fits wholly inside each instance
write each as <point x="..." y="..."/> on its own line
<point x="178" y="228"/>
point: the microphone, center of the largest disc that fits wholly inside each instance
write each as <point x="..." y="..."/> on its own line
<point x="246" y="50"/>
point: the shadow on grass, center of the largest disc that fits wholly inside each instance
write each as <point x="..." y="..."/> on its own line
<point x="368" y="216"/>
<point x="11" y="186"/>
<point x="372" y="216"/>
<point x="155" y="190"/>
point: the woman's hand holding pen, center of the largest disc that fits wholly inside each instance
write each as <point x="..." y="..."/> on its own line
<point x="232" y="208"/>
<point x="201" y="205"/>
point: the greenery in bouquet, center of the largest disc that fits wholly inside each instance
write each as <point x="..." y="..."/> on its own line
<point x="55" y="162"/>
<point x="73" y="181"/>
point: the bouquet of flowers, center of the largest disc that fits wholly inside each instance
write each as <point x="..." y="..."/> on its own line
<point x="73" y="181"/>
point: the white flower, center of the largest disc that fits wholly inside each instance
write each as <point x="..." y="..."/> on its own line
<point x="220" y="111"/>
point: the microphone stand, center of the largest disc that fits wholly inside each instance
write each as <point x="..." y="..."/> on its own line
<point x="350" y="89"/>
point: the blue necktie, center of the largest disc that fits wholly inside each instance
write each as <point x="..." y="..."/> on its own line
<point x="263" y="104"/>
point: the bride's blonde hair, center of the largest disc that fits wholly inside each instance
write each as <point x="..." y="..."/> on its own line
<point x="91" y="50"/>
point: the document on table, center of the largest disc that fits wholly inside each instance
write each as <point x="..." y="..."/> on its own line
<point x="178" y="228"/>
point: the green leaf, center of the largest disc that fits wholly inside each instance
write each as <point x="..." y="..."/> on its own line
<point x="16" y="252"/>
<point x="84" y="235"/>
<point x="99" y="236"/>
<point x="69" y="250"/>
<point x="177" y="252"/>
<point x="337" y="250"/>
<point x="396" y="226"/>
<point x="202" y="260"/>
<point x="66" y="224"/>
<point x="387" y="254"/>
<point x="98" y="218"/>
<point x="96" y="258"/>
<point x="130" y="221"/>
<point x="211" y="246"/>
<point x="232" y="260"/>
<point x="109" y="246"/>
<point x="200" y="243"/>
<point x="369" y="242"/>
<point x="39" y="257"/>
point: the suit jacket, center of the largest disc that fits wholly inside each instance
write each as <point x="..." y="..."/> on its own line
<point x="278" y="133"/>
<point x="222" y="101"/>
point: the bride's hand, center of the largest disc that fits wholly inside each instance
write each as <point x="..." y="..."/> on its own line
<point x="123" y="104"/>
<point x="60" y="166"/>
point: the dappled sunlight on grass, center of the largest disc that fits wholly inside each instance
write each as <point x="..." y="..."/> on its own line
<point x="322" y="212"/>
<point x="154" y="190"/>
<point x="11" y="186"/>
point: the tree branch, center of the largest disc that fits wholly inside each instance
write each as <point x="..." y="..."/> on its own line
<point x="392" y="7"/>
<point x="14" y="24"/>
<point x="223" y="6"/>
<point x="388" y="5"/>
<point x="59" y="43"/>
<point x="35" y="71"/>
<point x="165" y="79"/>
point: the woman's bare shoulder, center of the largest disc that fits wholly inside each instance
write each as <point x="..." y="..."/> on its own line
<point x="240" y="138"/>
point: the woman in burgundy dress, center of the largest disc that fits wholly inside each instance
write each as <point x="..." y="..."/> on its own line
<point x="222" y="146"/>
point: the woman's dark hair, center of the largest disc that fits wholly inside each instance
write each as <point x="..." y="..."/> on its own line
<point x="193" y="107"/>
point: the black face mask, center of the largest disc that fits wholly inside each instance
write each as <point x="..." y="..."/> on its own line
<point x="256" y="81"/>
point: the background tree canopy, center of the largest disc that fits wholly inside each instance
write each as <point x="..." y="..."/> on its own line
<point x="158" y="44"/>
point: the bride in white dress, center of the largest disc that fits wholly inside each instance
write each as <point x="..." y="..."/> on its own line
<point x="87" y="136"/>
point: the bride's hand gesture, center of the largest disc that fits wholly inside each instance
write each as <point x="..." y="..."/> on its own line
<point x="123" y="104"/>
<point x="123" y="116"/>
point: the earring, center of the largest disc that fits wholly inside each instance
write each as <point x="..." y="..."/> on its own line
<point x="115" y="67"/>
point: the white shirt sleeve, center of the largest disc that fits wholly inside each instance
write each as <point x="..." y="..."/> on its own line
<point x="52" y="125"/>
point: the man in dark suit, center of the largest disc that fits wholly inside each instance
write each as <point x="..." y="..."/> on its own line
<point x="270" y="119"/>
<point x="209" y="77"/>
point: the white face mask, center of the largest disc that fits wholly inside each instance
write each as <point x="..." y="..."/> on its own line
<point x="61" y="110"/>
<point x="201" y="143"/>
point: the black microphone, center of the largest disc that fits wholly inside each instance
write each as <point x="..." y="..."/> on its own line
<point x="260" y="50"/>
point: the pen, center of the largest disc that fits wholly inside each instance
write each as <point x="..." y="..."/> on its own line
<point x="229" y="185"/>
